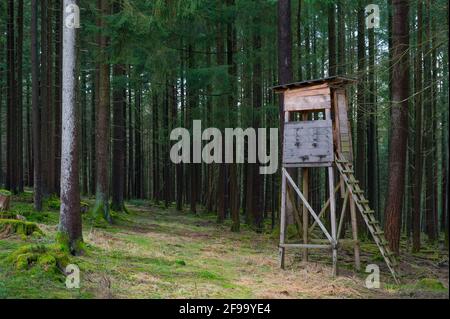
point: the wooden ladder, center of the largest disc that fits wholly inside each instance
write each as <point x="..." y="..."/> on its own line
<point x="346" y="170"/>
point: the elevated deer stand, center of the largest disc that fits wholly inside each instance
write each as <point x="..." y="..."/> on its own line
<point x="322" y="139"/>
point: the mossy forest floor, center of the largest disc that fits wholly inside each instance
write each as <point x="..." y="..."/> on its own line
<point x="153" y="252"/>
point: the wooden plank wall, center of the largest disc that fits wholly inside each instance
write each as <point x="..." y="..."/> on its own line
<point x="343" y="135"/>
<point x="308" y="143"/>
<point x="317" y="97"/>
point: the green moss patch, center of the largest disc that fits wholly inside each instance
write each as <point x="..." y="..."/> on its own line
<point x="430" y="284"/>
<point x="48" y="257"/>
<point x="7" y="215"/>
<point x="5" y="192"/>
<point x="20" y="227"/>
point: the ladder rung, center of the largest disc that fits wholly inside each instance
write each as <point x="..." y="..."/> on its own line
<point x="347" y="171"/>
<point x="358" y="191"/>
<point x="364" y="201"/>
<point x="341" y="161"/>
<point x="378" y="232"/>
<point x="369" y="212"/>
<point x="373" y="222"/>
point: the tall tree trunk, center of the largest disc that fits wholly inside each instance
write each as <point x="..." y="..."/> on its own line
<point x="372" y="130"/>
<point x="341" y="38"/>
<point x="418" y="152"/>
<point x="222" y="178"/>
<point x="192" y="105"/>
<point x="84" y="134"/>
<point x="19" y="91"/>
<point x="256" y="198"/>
<point x="284" y="50"/>
<point x="299" y="41"/>
<point x="232" y="105"/>
<point x="399" y="124"/>
<point x="119" y="136"/>
<point x="102" y="124"/>
<point x="57" y="105"/>
<point x="36" y="108"/>
<point x="361" y="154"/>
<point x="361" y="117"/>
<point x="180" y="166"/>
<point x="50" y="176"/>
<point x="12" y="112"/>
<point x="331" y="39"/>
<point x="29" y="144"/>
<point x="44" y="96"/>
<point x="92" y="154"/>
<point x="428" y="122"/>
<point x="70" y="215"/>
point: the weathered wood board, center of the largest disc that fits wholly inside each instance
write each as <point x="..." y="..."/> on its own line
<point x="308" y="144"/>
<point x="344" y="137"/>
<point x="314" y="98"/>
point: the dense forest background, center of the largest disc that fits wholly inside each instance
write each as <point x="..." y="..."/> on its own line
<point x="146" y="67"/>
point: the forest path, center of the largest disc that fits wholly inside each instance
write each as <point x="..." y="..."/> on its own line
<point x="154" y="252"/>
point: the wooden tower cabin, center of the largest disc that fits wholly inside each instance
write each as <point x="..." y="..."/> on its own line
<point x="317" y="134"/>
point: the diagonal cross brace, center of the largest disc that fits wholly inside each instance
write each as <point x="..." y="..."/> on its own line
<point x="305" y="202"/>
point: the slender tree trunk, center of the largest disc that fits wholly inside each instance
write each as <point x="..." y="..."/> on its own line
<point x="428" y="139"/>
<point x="12" y="109"/>
<point x="50" y="176"/>
<point x="119" y="136"/>
<point x="102" y="125"/>
<point x="29" y="144"/>
<point x="222" y="178"/>
<point x="332" y="69"/>
<point x="361" y="154"/>
<point x="156" y="181"/>
<point x="372" y="140"/>
<point x="418" y="152"/>
<point x="232" y="105"/>
<point x="70" y="215"/>
<point x="84" y="134"/>
<point x="138" y="185"/>
<point x="308" y="70"/>
<point x="36" y="108"/>
<point x="284" y="50"/>
<point x="399" y="123"/>
<point x="299" y="40"/>
<point x="256" y="198"/>
<point x="94" y="101"/>
<point x="341" y="38"/>
<point x="44" y="97"/>
<point x="19" y="91"/>
<point x="180" y="166"/>
<point x="58" y="95"/>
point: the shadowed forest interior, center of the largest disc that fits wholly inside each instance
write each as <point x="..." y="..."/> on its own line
<point x="85" y="170"/>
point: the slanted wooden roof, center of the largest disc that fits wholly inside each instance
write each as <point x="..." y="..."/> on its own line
<point x="334" y="81"/>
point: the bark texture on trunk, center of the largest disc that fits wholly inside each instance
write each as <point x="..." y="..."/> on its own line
<point x="70" y="215"/>
<point x="399" y="123"/>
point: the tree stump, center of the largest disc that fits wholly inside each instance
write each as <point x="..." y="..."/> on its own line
<point x="4" y="203"/>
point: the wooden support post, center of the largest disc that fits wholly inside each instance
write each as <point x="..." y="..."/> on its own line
<point x="283" y="219"/>
<point x="355" y="233"/>
<point x="342" y="217"/>
<point x="305" y="189"/>
<point x="333" y="217"/>
<point x="284" y="198"/>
